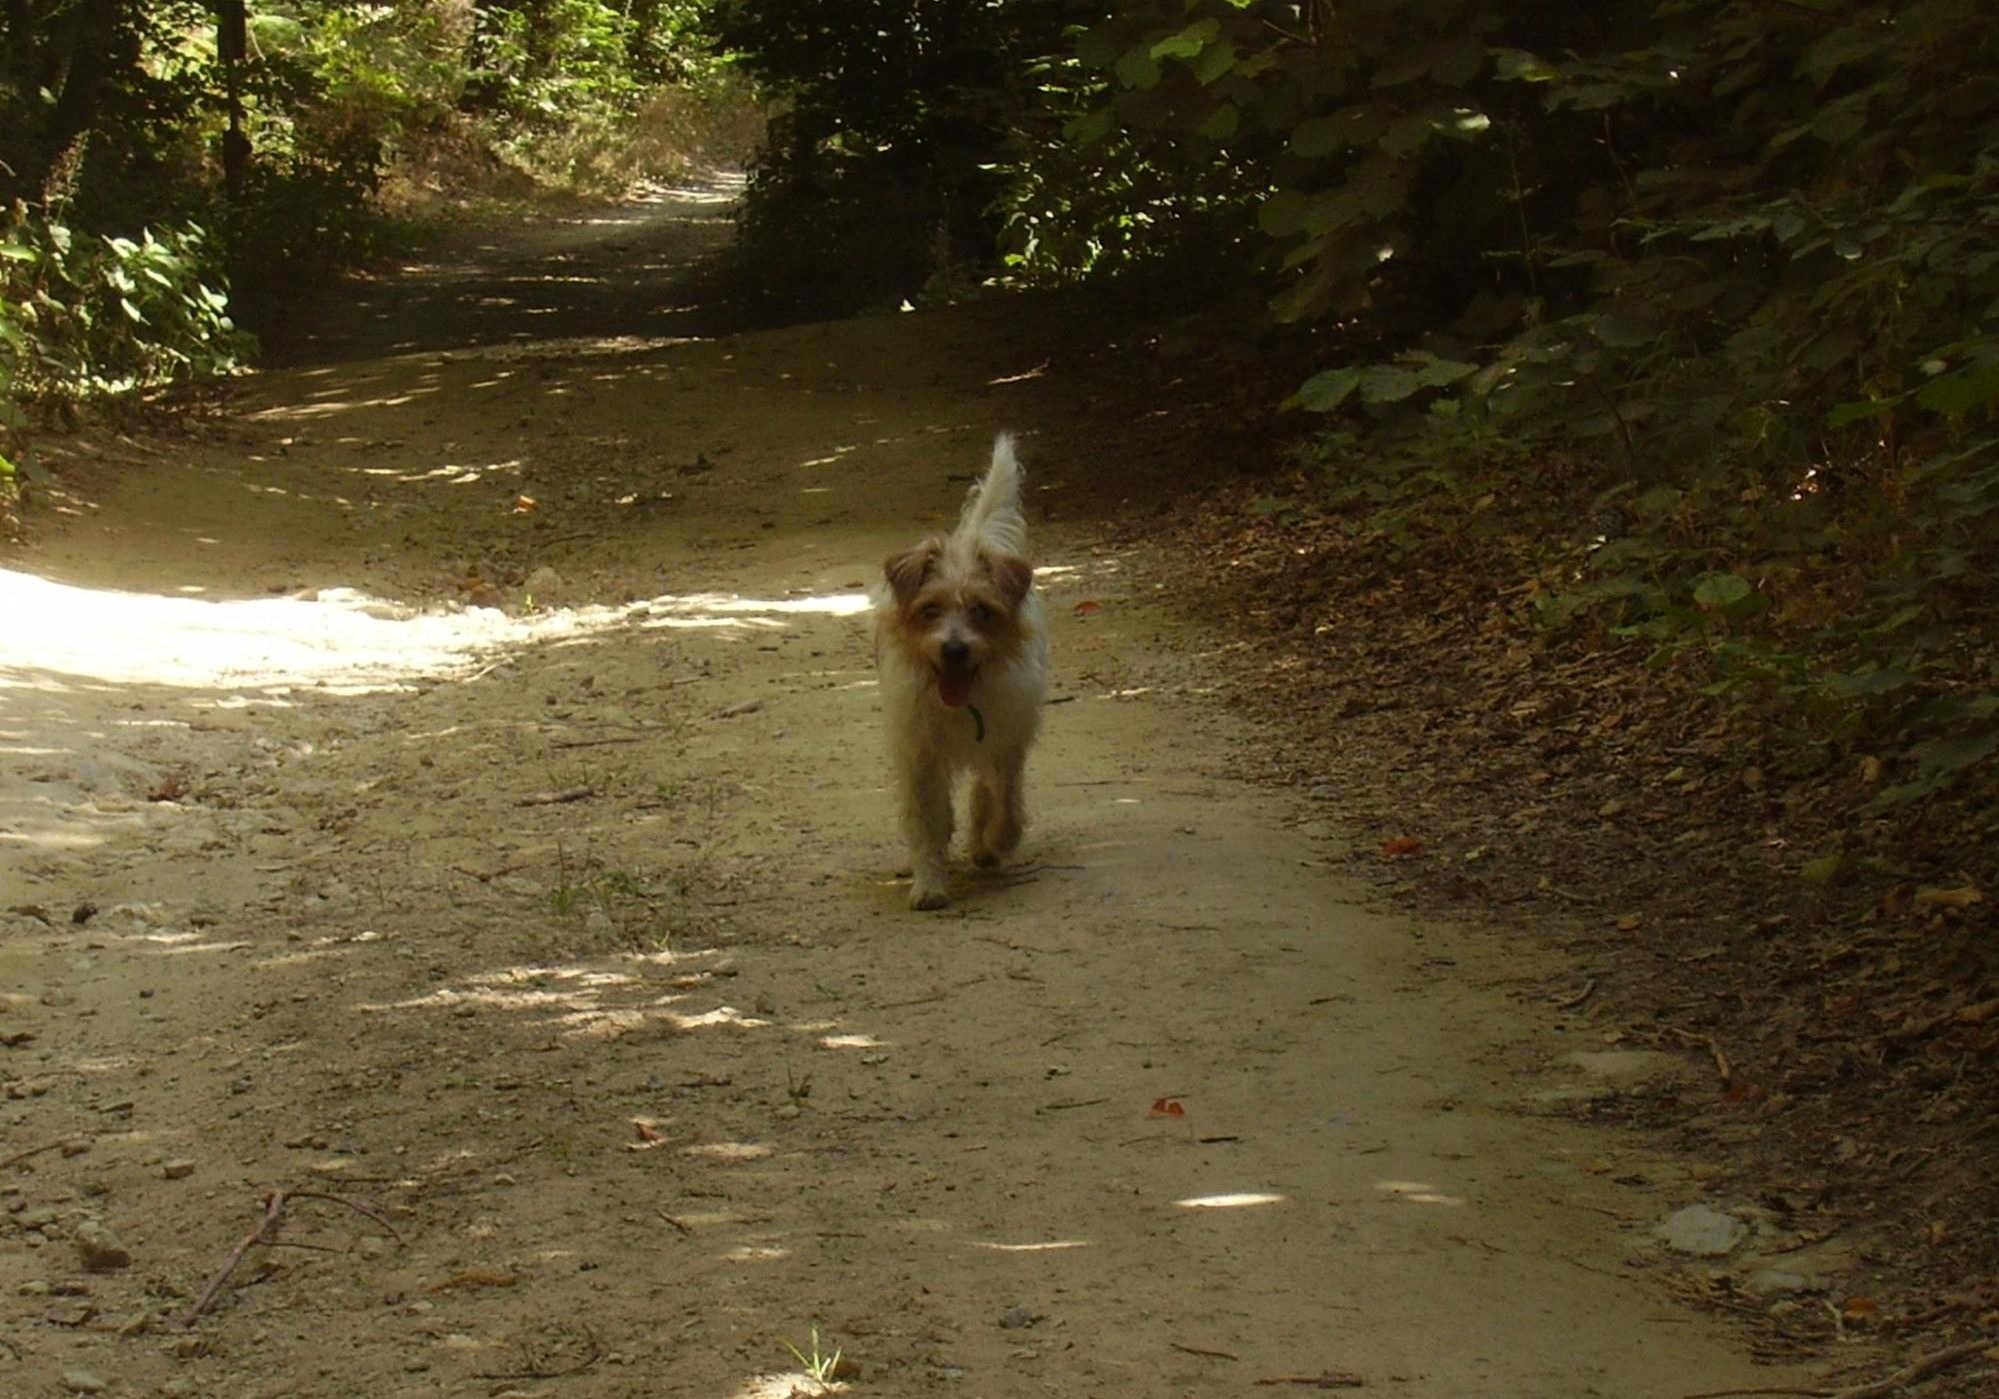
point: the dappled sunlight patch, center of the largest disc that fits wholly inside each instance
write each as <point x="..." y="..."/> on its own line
<point x="1417" y="1192"/>
<point x="849" y="1042"/>
<point x="832" y="459"/>
<point x="320" y="949"/>
<point x="1045" y="1246"/>
<point x="793" y="1384"/>
<point x="328" y="406"/>
<point x="724" y="609"/>
<point x="730" y="1153"/>
<point x="206" y="946"/>
<point x="455" y="473"/>
<point x="446" y="998"/>
<point x="102" y="1063"/>
<point x="721" y="1015"/>
<point x="339" y="639"/>
<point x="755" y="1253"/>
<point x="301" y="957"/>
<point x="51" y="838"/>
<point x="614" y="1024"/>
<point x="1244" y="1199"/>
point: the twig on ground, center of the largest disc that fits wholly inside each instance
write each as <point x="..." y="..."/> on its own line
<point x="1331" y="1379"/>
<point x="266" y="1233"/>
<point x="1919" y="1368"/>
<point x="1570" y="1002"/>
<point x="1203" y="1350"/>
<point x="18" y="1157"/>
<point x="266" y="1230"/>
<point x="1722" y="1067"/>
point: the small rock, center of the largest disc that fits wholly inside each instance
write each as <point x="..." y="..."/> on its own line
<point x="542" y="582"/>
<point x="1016" y="1317"/>
<point x="180" y="1168"/>
<point x="37" y="1217"/>
<point x="71" y="1313"/>
<point x="1701" y="1231"/>
<point x="99" y="1250"/>
<point x="1774" y="1282"/>
<point x="82" y="1382"/>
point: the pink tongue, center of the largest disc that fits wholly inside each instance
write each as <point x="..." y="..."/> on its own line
<point x="954" y="690"/>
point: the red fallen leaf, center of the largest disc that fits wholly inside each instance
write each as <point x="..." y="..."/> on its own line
<point x="1168" y="1107"/>
<point x="1086" y="607"/>
<point x="524" y="503"/>
<point x="1401" y="845"/>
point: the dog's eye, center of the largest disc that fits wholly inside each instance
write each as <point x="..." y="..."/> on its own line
<point x="979" y="613"/>
<point x="932" y="611"/>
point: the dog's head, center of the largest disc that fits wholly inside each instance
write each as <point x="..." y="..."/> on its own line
<point x="957" y="616"/>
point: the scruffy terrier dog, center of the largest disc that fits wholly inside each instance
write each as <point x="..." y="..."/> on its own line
<point x="962" y="651"/>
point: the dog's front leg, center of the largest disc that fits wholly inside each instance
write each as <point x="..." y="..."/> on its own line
<point x="926" y="825"/>
<point x="999" y="810"/>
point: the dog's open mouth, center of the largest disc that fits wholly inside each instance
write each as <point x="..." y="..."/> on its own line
<point x="954" y="687"/>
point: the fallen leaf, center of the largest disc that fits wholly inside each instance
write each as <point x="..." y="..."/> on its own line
<point x="1630" y="923"/>
<point x="1963" y="897"/>
<point x="524" y="503"/>
<point x="1400" y="846"/>
<point x="1168" y="1107"/>
<point x="1086" y="607"/>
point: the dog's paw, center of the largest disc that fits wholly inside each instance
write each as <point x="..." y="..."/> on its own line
<point x="925" y="900"/>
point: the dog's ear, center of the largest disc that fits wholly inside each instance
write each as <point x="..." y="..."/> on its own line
<point x="907" y="572"/>
<point x="1012" y="576"/>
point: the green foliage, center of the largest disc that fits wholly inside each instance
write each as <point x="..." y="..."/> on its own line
<point x="115" y="116"/>
<point x="1738" y="260"/>
<point x="83" y="315"/>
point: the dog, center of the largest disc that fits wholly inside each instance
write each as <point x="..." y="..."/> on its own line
<point x="961" y="648"/>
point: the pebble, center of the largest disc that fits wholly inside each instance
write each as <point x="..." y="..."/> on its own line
<point x="82" y="1382"/>
<point x="1774" y="1282"/>
<point x="1701" y="1231"/>
<point x="99" y="1248"/>
<point x="180" y="1168"/>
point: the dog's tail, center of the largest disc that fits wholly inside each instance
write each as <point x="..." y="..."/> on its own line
<point x="992" y="512"/>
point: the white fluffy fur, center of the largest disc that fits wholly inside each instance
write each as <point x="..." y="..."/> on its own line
<point x="932" y="745"/>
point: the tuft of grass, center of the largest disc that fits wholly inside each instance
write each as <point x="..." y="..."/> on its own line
<point x="820" y="1366"/>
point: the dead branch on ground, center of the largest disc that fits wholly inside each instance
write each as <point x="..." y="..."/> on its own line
<point x="266" y="1233"/>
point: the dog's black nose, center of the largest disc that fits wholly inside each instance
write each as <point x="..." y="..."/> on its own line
<point x="954" y="654"/>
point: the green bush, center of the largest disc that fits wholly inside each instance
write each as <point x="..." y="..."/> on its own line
<point x="83" y="315"/>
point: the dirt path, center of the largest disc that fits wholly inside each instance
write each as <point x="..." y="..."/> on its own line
<point x="563" y="939"/>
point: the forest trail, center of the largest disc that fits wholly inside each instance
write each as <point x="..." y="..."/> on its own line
<point x="562" y="935"/>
